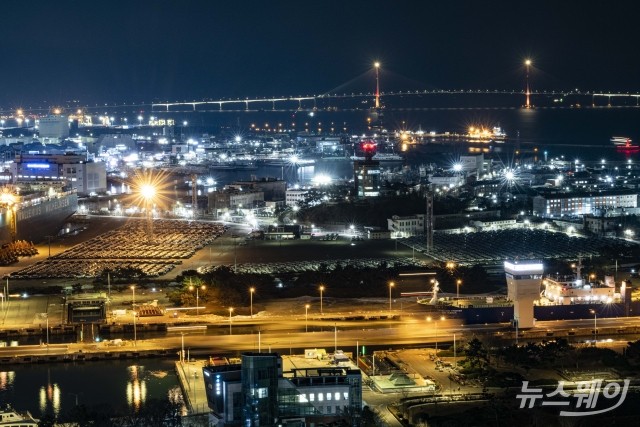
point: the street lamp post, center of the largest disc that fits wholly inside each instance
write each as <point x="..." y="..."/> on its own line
<point x="251" y="291"/>
<point x="306" y="317"/>
<point x="435" y="321"/>
<point x="203" y="287"/>
<point x="182" y="352"/>
<point x="458" y="283"/>
<point x="595" y="327"/>
<point x="321" y="291"/>
<point x="391" y="285"/>
<point x="230" y="311"/>
<point x="133" y="308"/>
<point x="148" y="192"/>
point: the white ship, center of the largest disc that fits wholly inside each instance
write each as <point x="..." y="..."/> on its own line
<point x="620" y="140"/>
<point x="382" y="157"/>
<point x="12" y="418"/>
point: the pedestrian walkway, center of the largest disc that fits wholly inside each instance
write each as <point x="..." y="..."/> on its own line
<point x="192" y="384"/>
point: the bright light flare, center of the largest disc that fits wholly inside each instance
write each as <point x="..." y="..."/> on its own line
<point x="148" y="185"/>
<point x="321" y="179"/>
<point x="6" y="197"/>
<point x="148" y="191"/>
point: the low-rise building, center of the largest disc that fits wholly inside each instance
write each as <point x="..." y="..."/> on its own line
<point x="234" y="198"/>
<point x="85" y="176"/>
<point x="406" y="226"/>
<point x="257" y="392"/>
<point x="273" y="189"/>
<point x="600" y="225"/>
<point x="574" y="204"/>
<point x="295" y="197"/>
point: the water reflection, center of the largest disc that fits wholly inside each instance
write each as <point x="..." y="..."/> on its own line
<point x="50" y="399"/>
<point x="136" y="387"/>
<point x="174" y="395"/>
<point x="6" y="379"/>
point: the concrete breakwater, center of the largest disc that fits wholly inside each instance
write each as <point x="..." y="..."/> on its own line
<point x="101" y="329"/>
<point x="63" y="353"/>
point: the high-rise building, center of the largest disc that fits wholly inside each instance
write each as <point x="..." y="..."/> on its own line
<point x="259" y="377"/>
<point x="366" y="177"/>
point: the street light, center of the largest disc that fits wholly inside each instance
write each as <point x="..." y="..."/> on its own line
<point x="458" y="283"/>
<point x="191" y="287"/>
<point x="230" y="311"/>
<point x="306" y="317"/>
<point x="391" y="285"/>
<point x="47" y="317"/>
<point x="321" y="290"/>
<point x="435" y="321"/>
<point x="595" y="327"/>
<point x="251" y="291"/>
<point x="133" y="309"/>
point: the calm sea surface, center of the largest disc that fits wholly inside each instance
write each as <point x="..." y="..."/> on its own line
<point x="53" y="389"/>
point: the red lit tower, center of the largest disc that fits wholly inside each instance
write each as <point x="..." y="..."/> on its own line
<point x="366" y="173"/>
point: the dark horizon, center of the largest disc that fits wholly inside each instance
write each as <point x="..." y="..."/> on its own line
<point x="143" y="51"/>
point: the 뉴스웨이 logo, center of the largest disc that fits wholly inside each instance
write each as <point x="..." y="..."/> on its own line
<point x="581" y="399"/>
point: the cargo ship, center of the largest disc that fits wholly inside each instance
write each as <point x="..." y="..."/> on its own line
<point x="31" y="212"/>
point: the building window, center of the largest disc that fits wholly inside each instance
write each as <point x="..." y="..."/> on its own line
<point x="328" y="396"/>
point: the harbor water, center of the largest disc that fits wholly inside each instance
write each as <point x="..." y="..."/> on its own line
<point x="123" y="386"/>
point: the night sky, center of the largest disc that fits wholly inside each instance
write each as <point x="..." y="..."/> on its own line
<point x="144" y="50"/>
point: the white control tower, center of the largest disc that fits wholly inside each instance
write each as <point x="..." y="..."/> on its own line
<point x="524" y="279"/>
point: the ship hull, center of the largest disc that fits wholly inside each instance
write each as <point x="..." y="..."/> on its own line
<point x="36" y="222"/>
<point x="501" y="314"/>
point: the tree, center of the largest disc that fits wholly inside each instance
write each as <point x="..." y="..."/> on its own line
<point x="476" y="353"/>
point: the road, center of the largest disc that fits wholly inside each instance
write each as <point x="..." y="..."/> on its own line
<point x="285" y="335"/>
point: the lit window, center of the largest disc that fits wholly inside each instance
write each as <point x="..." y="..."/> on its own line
<point x="312" y="397"/>
<point x="328" y="396"/>
<point x="336" y="396"/>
